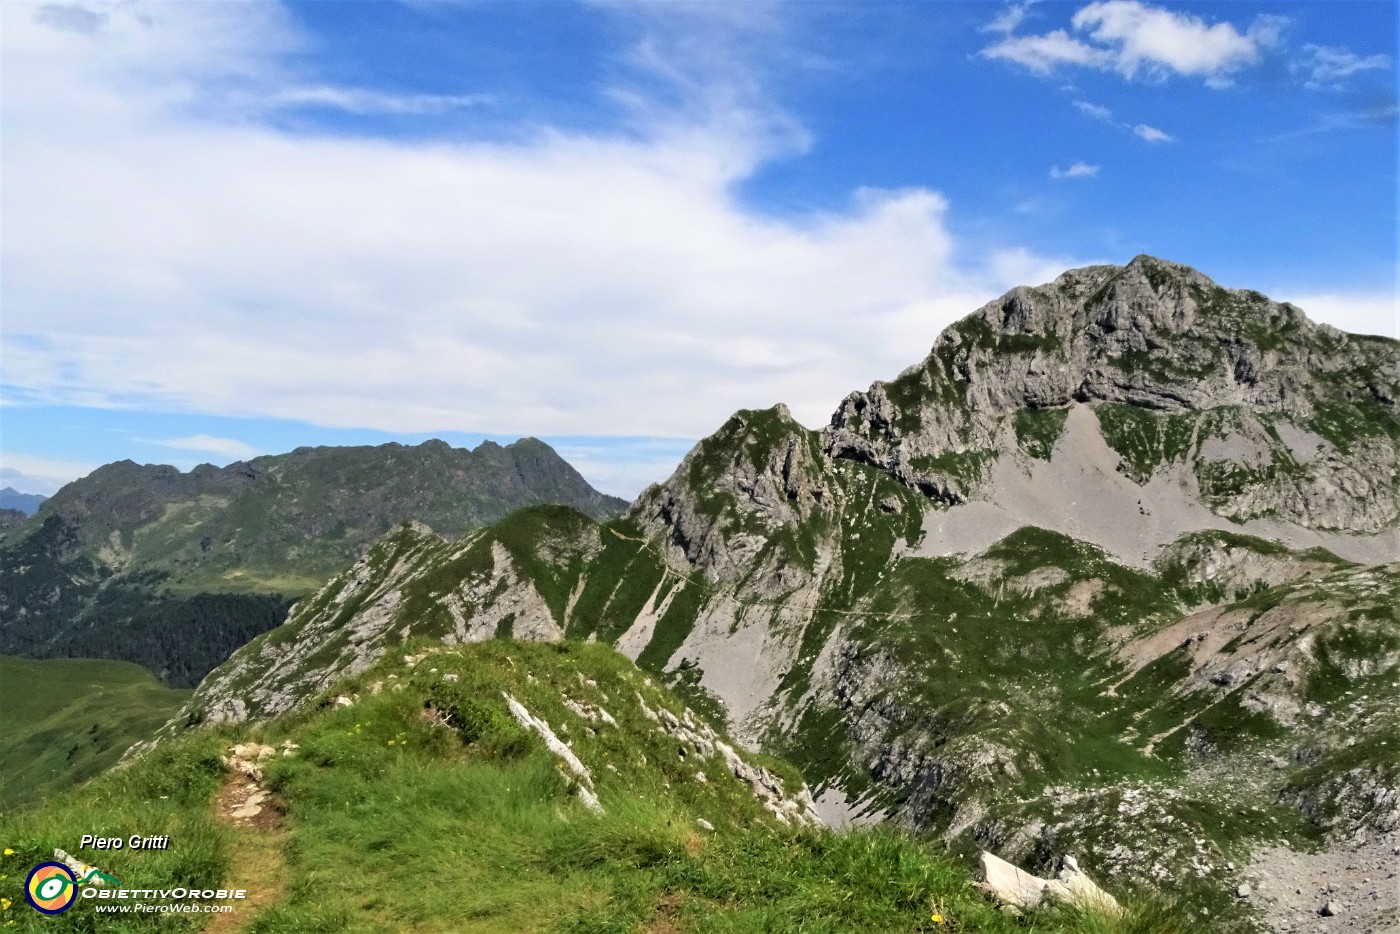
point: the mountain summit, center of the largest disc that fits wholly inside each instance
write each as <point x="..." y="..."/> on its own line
<point x="1241" y="403"/>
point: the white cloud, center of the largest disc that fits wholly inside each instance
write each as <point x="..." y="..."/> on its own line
<point x="37" y="474"/>
<point x="1041" y="54"/>
<point x="1023" y="267"/>
<point x="1152" y="134"/>
<point x="1139" y="40"/>
<point x="1151" y="38"/>
<point x="225" y="447"/>
<point x="1149" y="133"/>
<point x="364" y="101"/>
<point x="157" y="256"/>
<point x="1096" y="111"/>
<point x="1357" y="312"/>
<point x="1076" y="170"/>
<point x="1329" y="66"/>
<point x="1009" y="18"/>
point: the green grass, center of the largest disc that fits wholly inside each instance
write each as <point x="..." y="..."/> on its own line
<point x="467" y="824"/>
<point x="998" y="664"/>
<point x="1037" y="430"/>
<point x="1144" y="439"/>
<point x="166" y="793"/>
<point x="65" y="720"/>
<point x="619" y="580"/>
<point x="965" y="467"/>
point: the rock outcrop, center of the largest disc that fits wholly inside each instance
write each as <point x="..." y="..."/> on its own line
<point x="1021" y="890"/>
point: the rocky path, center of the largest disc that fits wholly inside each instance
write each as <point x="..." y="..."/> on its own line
<point x="256" y="862"/>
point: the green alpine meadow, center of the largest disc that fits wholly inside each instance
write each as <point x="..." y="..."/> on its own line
<point x="408" y="797"/>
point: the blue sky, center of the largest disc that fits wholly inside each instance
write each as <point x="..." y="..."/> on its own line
<point x="235" y="228"/>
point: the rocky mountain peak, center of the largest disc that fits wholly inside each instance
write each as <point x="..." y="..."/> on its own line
<point x="762" y="471"/>
<point x="1181" y="364"/>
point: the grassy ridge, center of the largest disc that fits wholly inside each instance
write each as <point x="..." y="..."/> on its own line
<point x="425" y="807"/>
<point x="65" y="720"/>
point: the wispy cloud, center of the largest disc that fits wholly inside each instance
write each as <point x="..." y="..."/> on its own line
<point x="1074" y="170"/>
<point x="1139" y="40"/>
<point x="1009" y="18"/>
<point x="1095" y="111"/>
<point x="623" y="466"/>
<point x="73" y="19"/>
<point x="224" y="447"/>
<point x="364" y="101"/>
<point x="1372" y="118"/>
<point x="39" y="474"/>
<point x="1152" y="134"/>
<point x="1330" y="66"/>
<point x="1037" y="206"/>
<point x="1042" y="54"/>
<point x="1141" y="130"/>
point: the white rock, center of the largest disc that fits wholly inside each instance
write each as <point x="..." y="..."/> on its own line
<point x="559" y="748"/>
<point x="1019" y="889"/>
<point x="1009" y="884"/>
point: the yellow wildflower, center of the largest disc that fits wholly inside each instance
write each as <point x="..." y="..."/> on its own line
<point x="9" y="852"/>
<point x="5" y="904"/>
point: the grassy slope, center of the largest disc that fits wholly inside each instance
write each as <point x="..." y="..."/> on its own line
<point x="65" y="720"/>
<point x="394" y="823"/>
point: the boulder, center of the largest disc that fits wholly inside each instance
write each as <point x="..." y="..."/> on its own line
<point x="1010" y="884"/>
<point x="1014" y="886"/>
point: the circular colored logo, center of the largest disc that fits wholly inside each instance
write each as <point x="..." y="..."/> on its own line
<point x="51" y="888"/>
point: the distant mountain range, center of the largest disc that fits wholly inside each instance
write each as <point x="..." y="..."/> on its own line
<point x="175" y="570"/>
<point x="1112" y="572"/>
<point x="27" y="503"/>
